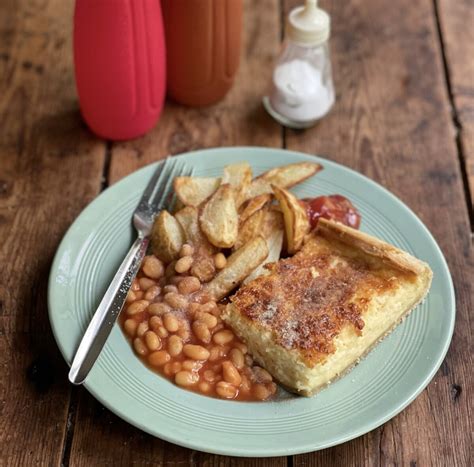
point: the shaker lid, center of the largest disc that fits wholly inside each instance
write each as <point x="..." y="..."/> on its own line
<point x="308" y="24"/>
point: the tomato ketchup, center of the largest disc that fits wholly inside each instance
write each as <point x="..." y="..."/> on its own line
<point x="335" y="207"/>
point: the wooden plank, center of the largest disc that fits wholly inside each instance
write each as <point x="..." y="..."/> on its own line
<point x="100" y="438"/>
<point x="50" y="167"/>
<point x="456" y="21"/>
<point x="392" y="122"/>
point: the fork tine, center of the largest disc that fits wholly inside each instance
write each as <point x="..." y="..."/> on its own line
<point x="162" y="196"/>
<point x="164" y="185"/>
<point x="155" y="179"/>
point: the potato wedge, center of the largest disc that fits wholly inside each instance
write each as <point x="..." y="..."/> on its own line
<point x="284" y="176"/>
<point x="167" y="237"/>
<point x="275" y="245"/>
<point x="258" y="187"/>
<point x="238" y="176"/>
<point x="239" y="265"/>
<point x="192" y="191"/>
<point x="219" y="219"/>
<point x="272" y="221"/>
<point x="254" y="205"/>
<point x="295" y="217"/>
<point x="188" y="217"/>
<point x="251" y="228"/>
<point x="290" y="175"/>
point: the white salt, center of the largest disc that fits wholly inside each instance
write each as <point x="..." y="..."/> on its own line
<point x="299" y="93"/>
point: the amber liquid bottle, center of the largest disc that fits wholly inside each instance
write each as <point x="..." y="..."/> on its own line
<point x="202" y="47"/>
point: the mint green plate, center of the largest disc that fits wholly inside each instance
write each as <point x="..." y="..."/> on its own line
<point x="382" y="385"/>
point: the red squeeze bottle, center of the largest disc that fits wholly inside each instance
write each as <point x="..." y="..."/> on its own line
<point x="119" y="57"/>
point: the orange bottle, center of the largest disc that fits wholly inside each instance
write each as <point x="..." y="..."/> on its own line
<point x="203" y="48"/>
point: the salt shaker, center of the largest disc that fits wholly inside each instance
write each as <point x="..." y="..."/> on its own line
<point x="302" y="90"/>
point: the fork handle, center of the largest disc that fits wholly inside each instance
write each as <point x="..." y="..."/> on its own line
<point x="107" y="312"/>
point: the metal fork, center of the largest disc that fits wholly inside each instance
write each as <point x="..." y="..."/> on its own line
<point x="153" y="200"/>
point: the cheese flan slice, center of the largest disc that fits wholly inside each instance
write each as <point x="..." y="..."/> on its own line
<point x="316" y="314"/>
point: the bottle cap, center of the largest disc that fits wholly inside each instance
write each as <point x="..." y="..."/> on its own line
<point x="308" y="24"/>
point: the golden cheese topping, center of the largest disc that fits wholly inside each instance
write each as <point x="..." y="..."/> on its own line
<point x="307" y="299"/>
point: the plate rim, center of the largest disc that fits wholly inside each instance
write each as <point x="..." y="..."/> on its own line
<point x="271" y="452"/>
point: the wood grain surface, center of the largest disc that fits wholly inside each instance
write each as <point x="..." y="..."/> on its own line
<point x="456" y="22"/>
<point x="404" y="116"/>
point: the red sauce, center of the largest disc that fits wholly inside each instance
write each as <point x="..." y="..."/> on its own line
<point x="336" y="207"/>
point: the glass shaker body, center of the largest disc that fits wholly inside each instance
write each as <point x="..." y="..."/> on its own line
<point x="302" y="89"/>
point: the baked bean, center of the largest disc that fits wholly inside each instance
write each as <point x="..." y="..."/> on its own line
<point x="231" y="374"/>
<point x="223" y="337"/>
<point x="158" y="309"/>
<point x="220" y="261"/>
<point x="204" y="387"/>
<point x="159" y="358"/>
<point x="131" y="297"/>
<point x="137" y="307"/>
<point x="189" y="285"/>
<point x="184" y="334"/>
<point x="146" y="283"/>
<point x="216" y="312"/>
<point x="183" y="264"/>
<point x="176" y="301"/>
<point x="139" y="346"/>
<point x="201" y="331"/>
<point x="167" y="369"/>
<point x="139" y="294"/>
<point x="142" y="328"/>
<point x="241" y="346"/>
<point x="171" y="322"/>
<point x="248" y="360"/>
<point x="217" y="352"/>
<point x="196" y="352"/>
<point x="174" y="367"/>
<point x="226" y="390"/>
<point x="194" y="308"/>
<point x="262" y="375"/>
<point x="153" y="342"/>
<point x="237" y="358"/>
<point x="161" y="331"/>
<point x="155" y="322"/>
<point x="191" y="365"/>
<point x="175" y="345"/>
<point x="186" y="250"/>
<point x="260" y="392"/>
<point x="175" y="280"/>
<point x="130" y="326"/>
<point x="209" y="320"/>
<point x="152" y="293"/>
<point x="210" y="376"/>
<point x="272" y="387"/>
<point x="203" y="268"/>
<point x="186" y="378"/>
<point x="245" y="385"/>
<point x="135" y="287"/>
<point x="208" y="307"/>
<point x="170" y="289"/>
<point x="153" y="267"/>
<point x="219" y="326"/>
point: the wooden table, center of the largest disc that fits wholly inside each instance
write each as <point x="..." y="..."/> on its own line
<point x="404" y="74"/>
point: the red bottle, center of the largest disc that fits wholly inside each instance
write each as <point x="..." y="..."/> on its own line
<point x="119" y="58"/>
